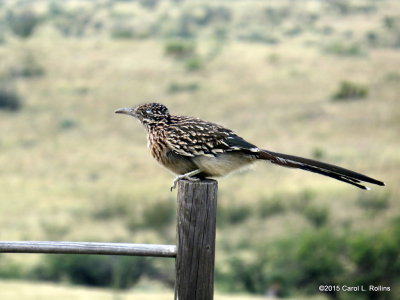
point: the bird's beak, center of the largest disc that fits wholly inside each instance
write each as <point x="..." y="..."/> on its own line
<point x="126" y="111"/>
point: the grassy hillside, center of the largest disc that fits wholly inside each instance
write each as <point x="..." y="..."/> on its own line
<point x="72" y="170"/>
<point x="20" y="290"/>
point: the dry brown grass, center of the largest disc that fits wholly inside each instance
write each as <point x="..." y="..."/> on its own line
<point x="53" y="178"/>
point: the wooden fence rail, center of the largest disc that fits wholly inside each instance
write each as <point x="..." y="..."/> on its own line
<point x="88" y="248"/>
<point x="194" y="252"/>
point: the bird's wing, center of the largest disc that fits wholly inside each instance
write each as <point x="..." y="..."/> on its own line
<point x="191" y="137"/>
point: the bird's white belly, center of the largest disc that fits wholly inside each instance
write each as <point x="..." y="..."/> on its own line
<point x="222" y="164"/>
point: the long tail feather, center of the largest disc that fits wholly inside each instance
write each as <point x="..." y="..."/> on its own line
<point x="318" y="167"/>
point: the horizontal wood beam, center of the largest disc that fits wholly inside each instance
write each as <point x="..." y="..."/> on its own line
<point x="87" y="248"/>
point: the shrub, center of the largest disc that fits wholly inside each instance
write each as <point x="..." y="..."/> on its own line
<point x="344" y="49"/>
<point x="110" y="206"/>
<point x="233" y="214"/>
<point x="275" y="16"/>
<point x="377" y="261"/>
<point x="392" y="77"/>
<point x="318" y="153"/>
<point x="2" y="38"/>
<point x="74" y="23"/>
<point x="242" y="274"/>
<point x="316" y="215"/>
<point x="122" y="31"/>
<point x="391" y="22"/>
<point x="22" y="23"/>
<point x="67" y="124"/>
<point x="10" y="269"/>
<point x="149" y="4"/>
<point x="349" y="90"/>
<point x="55" y="9"/>
<point x="372" y="38"/>
<point x="93" y="270"/>
<point x="258" y="36"/>
<point x="193" y="63"/>
<point x="296" y="263"/>
<point x="317" y="255"/>
<point x="28" y="67"/>
<point x="176" y="87"/>
<point x="180" y="49"/>
<point x="303" y="199"/>
<point x="271" y="207"/>
<point x="194" y="17"/>
<point x="327" y="30"/>
<point x="374" y="202"/>
<point x="294" y="31"/>
<point x="159" y="214"/>
<point x="9" y="99"/>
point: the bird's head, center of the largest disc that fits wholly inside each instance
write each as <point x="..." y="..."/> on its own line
<point x="148" y="113"/>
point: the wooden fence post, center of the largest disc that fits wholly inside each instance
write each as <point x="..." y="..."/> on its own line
<point x="196" y="224"/>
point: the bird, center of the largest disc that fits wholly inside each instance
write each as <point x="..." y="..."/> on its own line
<point x="194" y="149"/>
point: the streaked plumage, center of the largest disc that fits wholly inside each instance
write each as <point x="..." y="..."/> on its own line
<point x="194" y="148"/>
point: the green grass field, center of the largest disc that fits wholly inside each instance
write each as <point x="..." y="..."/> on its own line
<point x="11" y="290"/>
<point x="73" y="170"/>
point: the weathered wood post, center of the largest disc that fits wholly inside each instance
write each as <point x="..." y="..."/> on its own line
<point x="196" y="224"/>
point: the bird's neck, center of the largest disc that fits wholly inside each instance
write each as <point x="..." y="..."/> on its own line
<point x="152" y="126"/>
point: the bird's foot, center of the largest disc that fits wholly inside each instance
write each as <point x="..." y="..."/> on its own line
<point x="187" y="176"/>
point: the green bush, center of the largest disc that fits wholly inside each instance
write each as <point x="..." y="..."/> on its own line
<point x="193" y="63"/>
<point x="317" y="256"/>
<point x="159" y="214"/>
<point x="377" y="261"/>
<point x="112" y="206"/>
<point x="258" y="35"/>
<point x="94" y="270"/>
<point x="276" y="16"/>
<point x="372" y="38"/>
<point x="194" y="18"/>
<point x="374" y="202"/>
<point x="270" y="207"/>
<point x="294" y="31"/>
<point x="65" y="124"/>
<point x="22" y="23"/>
<point x="28" y="67"/>
<point x="122" y="31"/>
<point x="350" y="90"/>
<point x="392" y="77"/>
<point x="242" y="275"/>
<point x="75" y="23"/>
<point x="296" y="263"/>
<point x="180" y="49"/>
<point x="176" y="87"/>
<point x="10" y="269"/>
<point x="9" y="99"/>
<point x="318" y="153"/>
<point x="55" y="9"/>
<point x="316" y="215"/>
<point x="391" y="22"/>
<point x="149" y="4"/>
<point x="2" y="37"/>
<point x="344" y="49"/>
<point x="233" y="214"/>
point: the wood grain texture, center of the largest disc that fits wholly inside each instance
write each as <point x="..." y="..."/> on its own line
<point x="87" y="248"/>
<point x="196" y="224"/>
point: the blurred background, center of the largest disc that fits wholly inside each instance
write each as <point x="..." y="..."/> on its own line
<point x="319" y="79"/>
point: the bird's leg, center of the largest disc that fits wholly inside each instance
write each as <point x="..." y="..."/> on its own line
<point x="187" y="176"/>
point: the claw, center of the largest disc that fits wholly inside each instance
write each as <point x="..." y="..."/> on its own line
<point x="187" y="176"/>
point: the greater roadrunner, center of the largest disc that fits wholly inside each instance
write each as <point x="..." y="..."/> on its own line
<point x="193" y="148"/>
